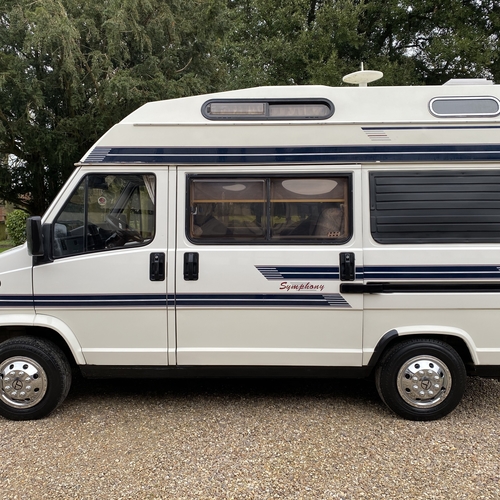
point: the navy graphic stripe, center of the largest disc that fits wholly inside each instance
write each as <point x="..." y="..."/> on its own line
<point x="122" y="300"/>
<point x="16" y="301"/>
<point x="289" y="300"/>
<point x="475" y="272"/>
<point x="420" y="287"/>
<point x="432" y="127"/>
<point x="97" y="155"/>
<point x="336" y="300"/>
<point x="312" y="154"/>
<point x="454" y="272"/>
<point x="299" y="272"/>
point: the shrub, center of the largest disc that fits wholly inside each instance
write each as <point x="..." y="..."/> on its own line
<point x="16" y="226"/>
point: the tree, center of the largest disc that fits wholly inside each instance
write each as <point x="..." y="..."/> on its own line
<point x="69" y="69"/>
<point x="430" y="41"/>
<point x="289" y="42"/>
<point x="318" y="41"/>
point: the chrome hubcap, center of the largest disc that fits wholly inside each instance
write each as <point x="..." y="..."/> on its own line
<point x="23" y="382"/>
<point x="424" y="381"/>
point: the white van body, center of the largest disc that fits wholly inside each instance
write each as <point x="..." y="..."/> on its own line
<point x="411" y="177"/>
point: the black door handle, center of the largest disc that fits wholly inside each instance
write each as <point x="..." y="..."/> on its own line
<point x="347" y="266"/>
<point x="191" y="260"/>
<point x="157" y="267"/>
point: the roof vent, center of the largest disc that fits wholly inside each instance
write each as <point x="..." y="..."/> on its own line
<point x="469" y="81"/>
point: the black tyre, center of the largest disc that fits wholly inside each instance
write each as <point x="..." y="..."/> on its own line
<point x="421" y="379"/>
<point x="35" y="378"/>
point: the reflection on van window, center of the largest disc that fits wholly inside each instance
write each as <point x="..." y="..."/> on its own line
<point x="269" y="209"/>
<point x="105" y="212"/>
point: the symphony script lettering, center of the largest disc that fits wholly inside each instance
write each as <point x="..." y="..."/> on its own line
<point x="300" y="287"/>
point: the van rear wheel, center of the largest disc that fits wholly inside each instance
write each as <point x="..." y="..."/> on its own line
<point x="35" y="378"/>
<point x="421" y="379"/>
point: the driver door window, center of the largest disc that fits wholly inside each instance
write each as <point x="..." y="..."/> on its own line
<point x="105" y="212"/>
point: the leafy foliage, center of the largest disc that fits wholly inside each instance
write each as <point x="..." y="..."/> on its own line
<point x="16" y="226"/>
<point x="70" y="69"/>
<point x="319" y="41"/>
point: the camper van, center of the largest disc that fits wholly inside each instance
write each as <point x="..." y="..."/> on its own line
<point x="301" y="231"/>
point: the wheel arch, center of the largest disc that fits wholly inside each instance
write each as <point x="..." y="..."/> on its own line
<point x="456" y="338"/>
<point x="45" y="327"/>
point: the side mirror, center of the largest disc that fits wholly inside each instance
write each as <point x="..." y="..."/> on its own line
<point x="34" y="236"/>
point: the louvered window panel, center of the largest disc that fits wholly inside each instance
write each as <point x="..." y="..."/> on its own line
<point x="435" y="207"/>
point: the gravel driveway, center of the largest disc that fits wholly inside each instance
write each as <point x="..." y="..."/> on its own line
<point x="250" y="439"/>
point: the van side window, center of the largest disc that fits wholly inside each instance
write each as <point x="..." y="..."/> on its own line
<point x="106" y="211"/>
<point x="461" y="206"/>
<point x="269" y="209"/>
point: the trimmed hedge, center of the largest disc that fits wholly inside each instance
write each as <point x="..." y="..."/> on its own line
<point x="16" y="226"/>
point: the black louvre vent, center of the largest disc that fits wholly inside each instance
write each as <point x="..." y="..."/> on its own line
<point x="435" y="207"/>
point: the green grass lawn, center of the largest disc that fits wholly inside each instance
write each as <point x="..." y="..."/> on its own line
<point x="5" y="245"/>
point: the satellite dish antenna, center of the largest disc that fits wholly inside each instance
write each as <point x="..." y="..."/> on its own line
<point x="363" y="77"/>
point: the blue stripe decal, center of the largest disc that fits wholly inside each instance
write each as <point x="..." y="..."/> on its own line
<point x="299" y="273"/>
<point x="433" y="127"/>
<point x="122" y="300"/>
<point x="291" y="300"/>
<point x="288" y="300"/>
<point x="16" y="301"/>
<point x="97" y="155"/>
<point x="466" y="272"/>
<point x="313" y="154"/>
<point x="311" y="273"/>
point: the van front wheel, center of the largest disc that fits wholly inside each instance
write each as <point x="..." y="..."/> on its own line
<point x="421" y="379"/>
<point x="35" y="378"/>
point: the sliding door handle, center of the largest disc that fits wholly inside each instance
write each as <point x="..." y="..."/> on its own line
<point x="191" y="260"/>
<point x="347" y="266"/>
